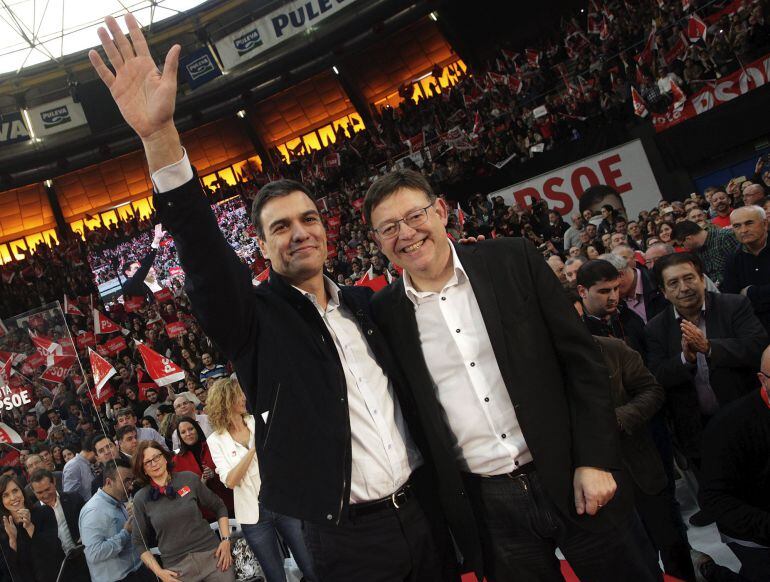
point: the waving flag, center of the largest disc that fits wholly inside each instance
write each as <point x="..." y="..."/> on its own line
<point x="696" y="29"/>
<point x="640" y="107"/>
<point x="46" y="346"/>
<point x="376" y="283"/>
<point x="162" y="370"/>
<point x="104" y="325"/>
<point x="70" y="308"/>
<point x="102" y="371"/>
<point x="8" y="435"/>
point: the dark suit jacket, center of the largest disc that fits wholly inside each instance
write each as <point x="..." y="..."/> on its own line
<point x="135" y="286"/>
<point x="637" y="396"/>
<point x="654" y="300"/>
<point x="737" y="340"/>
<point x="552" y="369"/>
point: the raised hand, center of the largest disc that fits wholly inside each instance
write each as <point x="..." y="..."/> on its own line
<point x="145" y="96"/>
<point x="10" y="527"/>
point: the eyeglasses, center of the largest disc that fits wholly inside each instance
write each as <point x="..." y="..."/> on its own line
<point x="412" y="220"/>
<point x="155" y="460"/>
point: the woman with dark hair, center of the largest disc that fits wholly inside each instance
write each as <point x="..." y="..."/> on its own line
<point x="609" y="215"/>
<point x="190" y="363"/>
<point x="169" y="504"/>
<point x="664" y="231"/>
<point x="29" y="538"/>
<point x="149" y="422"/>
<point x="194" y="456"/>
<point x="58" y="458"/>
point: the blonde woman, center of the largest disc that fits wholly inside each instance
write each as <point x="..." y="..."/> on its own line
<point x="231" y="445"/>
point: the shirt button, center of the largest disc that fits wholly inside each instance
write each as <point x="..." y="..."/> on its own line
<point x="342" y="399"/>
<point x="503" y="435"/>
<point x="457" y="330"/>
<point x="473" y="364"/>
<point x="369" y="331"/>
<point x="443" y="299"/>
<point x="486" y="399"/>
<point x="329" y="517"/>
<point x="516" y="463"/>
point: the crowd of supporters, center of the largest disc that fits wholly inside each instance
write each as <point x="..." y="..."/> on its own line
<point x="464" y="131"/>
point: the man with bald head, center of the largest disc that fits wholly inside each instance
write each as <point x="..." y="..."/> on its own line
<point x="753" y="194"/>
<point x="735" y="480"/>
<point x="748" y="270"/>
<point x="557" y="266"/>
<point x="184" y="407"/>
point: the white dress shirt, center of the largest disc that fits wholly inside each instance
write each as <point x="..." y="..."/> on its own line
<point x="383" y="453"/>
<point x="65" y="537"/>
<point x="467" y="378"/>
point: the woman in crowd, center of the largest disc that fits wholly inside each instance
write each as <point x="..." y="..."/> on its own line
<point x="190" y="363"/>
<point x="194" y="456"/>
<point x="169" y="505"/>
<point x="134" y="403"/>
<point x="29" y="538"/>
<point x="67" y="454"/>
<point x="167" y="425"/>
<point x="232" y="448"/>
<point x="149" y="422"/>
<point x="58" y="458"/>
<point x="665" y="230"/>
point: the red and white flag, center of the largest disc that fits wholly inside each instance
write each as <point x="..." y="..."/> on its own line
<point x="696" y="29"/>
<point x="678" y="96"/>
<point x="8" y="435"/>
<point x="70" y="308"/>
<point x="263" y="276"/>
<point x="640" y="107"/>
<point x="162" y="370"/>
<point x="686" y="5"/>
<point x="46" y="346"/>
<point x="104" y="325"/>
<point x="373" y="282"/>
<point x="57" y="370"/>
<point x="533" y="58"/>
<point x="102" y="371"/>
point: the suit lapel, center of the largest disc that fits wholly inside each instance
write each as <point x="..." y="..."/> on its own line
<point x="482" y="282"/>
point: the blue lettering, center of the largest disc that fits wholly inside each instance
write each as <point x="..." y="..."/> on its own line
<point x="300" y="17"/>
<point x="324" y="5"/>
<point x="311" y="14"/>
<point x="279" y="23"/>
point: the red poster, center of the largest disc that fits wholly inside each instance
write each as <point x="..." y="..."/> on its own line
<point x="102" y="350"/>
<point x="175" y="329"/>
<point x="115" y="346"/>
<point x="132" y="304"/>
<point x="85" y="340"/>
<point x="164" y="295"/>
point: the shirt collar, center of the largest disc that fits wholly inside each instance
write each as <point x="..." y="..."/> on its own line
<point x="458" y="276"/>
<point x="702" y="311"/>
<point x="332" y="290"/>
<point x="108" y="498"/>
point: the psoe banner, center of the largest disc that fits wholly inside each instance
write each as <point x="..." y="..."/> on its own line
<point x="12" y="128"/>
<point x="56" y="116"/>
<point x="625" y="168"/>
<point x="716" y="93"/>
<point x="274" y="28"/>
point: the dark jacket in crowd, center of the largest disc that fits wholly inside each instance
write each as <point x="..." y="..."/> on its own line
<point x="552" y="369"/>
<point x="285" y="359"/>
<point x="735" y="472"/>
<point x="135" y="286"/>
<point x="654" y="300"/>
<point x="626" y="325"/>
<point x="737" y="339"/>
<point x="637" y="396"/>
<point x="744" y="269"/>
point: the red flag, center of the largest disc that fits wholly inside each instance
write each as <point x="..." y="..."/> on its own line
<point x="102" y="371"/>
<point x="264" y="276"/>
<point x="514" y="84"/>
<point x="646" y="55"/>
<point x="416" y="142"/>
<point x="5" y="373"/>
<point x="696" y="29"/>
<point x="369" y="280"/>
<point x="533" y="58"/>
<point x="70" y="308"/>
<point x="162" y="370"/>
<point x="510" y="56"/>
<point x="144" y="382"/>
<point x="58" y="370"/>
<point x="164" y="295"/>
<point x="46" y="346"/>
<point x="8" y="435"/>
<point x="678" y="96"/>
<point x="678" y="50"/>
<point x="604" y="29"/>
<point x="476" y="123"/>
<point x="594" y="23"/>
<point x="103" y="325"/>
<point x="686" y="5"/>
<point x="640" y="107"/>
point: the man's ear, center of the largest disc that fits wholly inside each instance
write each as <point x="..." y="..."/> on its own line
<point x="263" y="247"/>
<point x="582" y="291"/>
<point x="442" y="210"/>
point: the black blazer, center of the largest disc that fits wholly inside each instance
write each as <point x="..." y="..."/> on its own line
<point x="637" y="397"/>
<point x="737" y="340"/>
<point x="654" y="299"/>
<point x="135" y="286"/>
<point x="285" y="359"/>
<point x="552" y="368"/>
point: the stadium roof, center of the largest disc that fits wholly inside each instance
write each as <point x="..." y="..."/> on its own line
<point x="38" y="31"/>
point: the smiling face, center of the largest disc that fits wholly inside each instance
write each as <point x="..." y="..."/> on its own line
<point x="683" y="286"/>
<point x="13" y="498"/>
<point x="45" y="491"/>
<point x="188" y="434"/>
<point x="294" y="236"/>
<point x="422" y="250"/>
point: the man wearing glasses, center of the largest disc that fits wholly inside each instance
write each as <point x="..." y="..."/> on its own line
<point x="507" y="381"/>
<point x="736" y="449"/>
<point x="331" y="434"/>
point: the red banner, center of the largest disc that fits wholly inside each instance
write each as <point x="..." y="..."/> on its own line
<point x="35" y="360"/>
<point x="115" y="346"/>
<point x="164" y="295"/>
<point x="85" y="340"/>
<point x="175" y="329"/>
<point x="133" y="304"/>
<point x="176" y="271"/>
<point x="55" y="374"/>
<point x="716" y="93"/>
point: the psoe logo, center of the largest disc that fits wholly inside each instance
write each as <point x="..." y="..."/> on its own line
<point x="54" y="117"/>
<point x="200" y="67"/>
<point x="247" y="42"/>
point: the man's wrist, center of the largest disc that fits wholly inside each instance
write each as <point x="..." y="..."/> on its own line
<point x="163" y="148"/>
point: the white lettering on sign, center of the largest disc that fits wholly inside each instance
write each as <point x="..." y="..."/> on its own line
<point x="15" y="400"/>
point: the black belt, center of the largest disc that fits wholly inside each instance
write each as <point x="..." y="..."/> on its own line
<point x="523" y="470"/>
<point x="394" y="501"/>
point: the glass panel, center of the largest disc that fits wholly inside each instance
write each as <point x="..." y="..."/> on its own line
<point x="33" y="240"/>
<point x="357" y="122"/>
<point x="227" y="175"/>
<point x="125" y="212"/>
<point x="51" y="237"/>
<point x="143" y="208"/>
<point x="18" y="249"/>
<point x="77" y="227"/>
<point x="5" y="254"/>
<point x="327" y="135"/>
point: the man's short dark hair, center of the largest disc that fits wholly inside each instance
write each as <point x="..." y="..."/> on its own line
<point x="124" y="412"/>
<point x="110" y="468"/>
<point x="31" y="433"/>
<point x="684" y="229"/>
<point x="391" y="182"/>
<point x="99" y="436"/>
<point x="594" y="272"/>
<point x="40" y="474"/>
<point x="51" y="411"/>
<point x="595" y="194"/>
<point x="272" y="190"/>
<point x="673" y="260"/>
<point x="124" y="430"/>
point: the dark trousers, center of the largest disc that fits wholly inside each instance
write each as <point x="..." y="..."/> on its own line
<point x="142" y="574"/>
<point x="755" y="562"/>
<point x="394" y="545"/>
<point x="664" y="533"/>
<point x="521" y="529"/>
